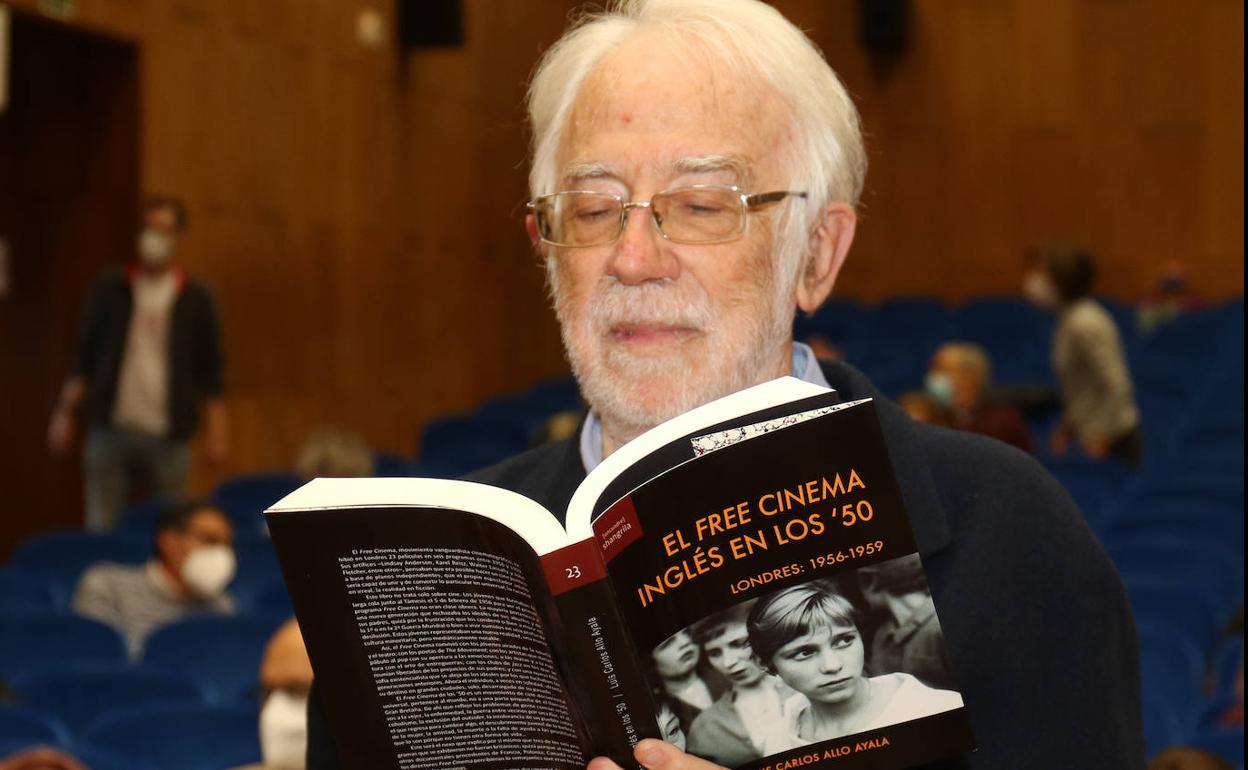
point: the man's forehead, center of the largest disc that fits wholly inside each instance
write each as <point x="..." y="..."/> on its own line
<point x="736" y="167"/>
<point x="663" y="109"/>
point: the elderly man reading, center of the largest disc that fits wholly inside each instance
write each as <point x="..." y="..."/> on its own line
<point x="696" y="166"/>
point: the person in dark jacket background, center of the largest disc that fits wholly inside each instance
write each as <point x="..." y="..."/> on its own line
<point x="149" y="357"/>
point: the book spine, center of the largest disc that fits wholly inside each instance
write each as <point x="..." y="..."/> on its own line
<point x="609" y="684"/>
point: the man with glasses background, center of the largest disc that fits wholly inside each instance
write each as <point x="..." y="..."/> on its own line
<point x="696" y="167"/>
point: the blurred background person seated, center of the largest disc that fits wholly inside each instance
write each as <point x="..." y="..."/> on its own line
<point x="1098" y="398"/>
<point x="334" y="453"/>
<point x="1188" y="759"/>
<point x="285" y="678"/>
<point x="194" y="561"/>
<point x="1171" y="298"/>
<point x="921" y="407"/>
<point x="41" y="758"/>
<point x="958" y="382"/>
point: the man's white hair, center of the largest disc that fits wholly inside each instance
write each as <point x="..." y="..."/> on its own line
<point x="752" y="40"/>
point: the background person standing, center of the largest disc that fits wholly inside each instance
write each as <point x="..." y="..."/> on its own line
<point x="149" y="354"/>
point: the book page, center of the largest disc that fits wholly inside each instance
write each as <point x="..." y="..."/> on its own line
<point x="429" y="631"/>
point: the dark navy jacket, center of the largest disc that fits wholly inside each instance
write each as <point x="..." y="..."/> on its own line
<point x="1034" y="615"/>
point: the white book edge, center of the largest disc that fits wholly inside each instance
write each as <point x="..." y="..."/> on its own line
<point x="528" y="519"/>
<point x="781" y="390"/>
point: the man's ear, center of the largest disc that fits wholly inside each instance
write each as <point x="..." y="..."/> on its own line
<point x="829" y="245"/>
<point x="530" y="226"/>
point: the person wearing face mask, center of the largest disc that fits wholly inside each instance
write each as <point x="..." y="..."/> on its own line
<point x="957" y="382"/>
<point x="193" y="563"/>
<point x="285" y="677"/>
<point x="1098" y="398"/>
<point x="149" y="356"/>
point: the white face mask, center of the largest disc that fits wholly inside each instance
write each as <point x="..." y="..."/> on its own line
<point x="284" y="730"/>
<point x="155" y="248"/>
<point x="939" y="387"/>
<point x="208" y="570"/>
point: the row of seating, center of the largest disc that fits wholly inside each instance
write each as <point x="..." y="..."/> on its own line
<point x="163" y="735"/>
<point x="1175" y="529"/>
<point x="45" y="568"/>
<point x="191" y="702"/>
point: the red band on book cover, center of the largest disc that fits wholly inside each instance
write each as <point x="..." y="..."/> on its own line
<point x="617" y="528"/>
<point x="573" y="566"/>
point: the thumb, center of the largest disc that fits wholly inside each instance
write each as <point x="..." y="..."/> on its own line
<point x="658" y="755"/>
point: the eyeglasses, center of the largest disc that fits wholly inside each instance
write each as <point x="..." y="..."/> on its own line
<point x="696" y="214"/>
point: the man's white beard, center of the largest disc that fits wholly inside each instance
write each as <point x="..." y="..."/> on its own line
<point x="719" y="361"/>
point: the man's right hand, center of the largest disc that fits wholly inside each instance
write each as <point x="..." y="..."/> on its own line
<point x="60" y="432"/>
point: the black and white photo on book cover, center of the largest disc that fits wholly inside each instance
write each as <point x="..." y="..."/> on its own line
<point x="817" y="661"/>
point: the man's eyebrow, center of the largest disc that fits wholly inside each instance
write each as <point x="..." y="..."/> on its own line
<point x="575" y="172"/>
<point x="705" y="164"/>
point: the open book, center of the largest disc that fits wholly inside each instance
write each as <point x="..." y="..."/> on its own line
<point x="741" y="580"/>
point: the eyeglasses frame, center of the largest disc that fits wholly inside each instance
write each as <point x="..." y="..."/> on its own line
<point x="748" y="202"/>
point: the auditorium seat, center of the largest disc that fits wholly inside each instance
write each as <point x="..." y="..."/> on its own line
<point x="97" y="758"/>
<point x="139" y="519"/>
<point x="77" y="694"/>
<point x="1179" y="610"/>
<point x="454" y="446"/>
<point x="267" y="599"/>
<point x="62" y="555"/>
<point x="1174" y="520"/>
<point x="244" y="497"/>
<point x="24" y="592"/>
<point x="1161" y="726"/>
<point x="1187" y="559"/>
<point x="392" y="465"/>
<point x="37" y="644"/>
<point x="1227" y="660"/>
<point x="257" y="567"/>
<point x="220" y="654"/>
<point x="22" y="726"/>
<point x="835" y="321"/>
<point x="1225" y="742"/>
<point x="178" y="737"/>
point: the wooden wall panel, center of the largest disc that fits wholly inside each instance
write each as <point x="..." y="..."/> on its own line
<point x="360" y="212"/>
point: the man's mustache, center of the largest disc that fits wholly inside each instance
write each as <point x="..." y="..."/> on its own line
<point x="652" y="305"/>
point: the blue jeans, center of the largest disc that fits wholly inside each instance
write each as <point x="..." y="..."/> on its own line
<point x="114" y="460"/>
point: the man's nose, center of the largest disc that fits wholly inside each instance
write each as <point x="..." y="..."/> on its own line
<point x="641" y="254"/>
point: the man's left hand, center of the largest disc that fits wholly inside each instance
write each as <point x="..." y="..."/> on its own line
<point x="657" y="755"/>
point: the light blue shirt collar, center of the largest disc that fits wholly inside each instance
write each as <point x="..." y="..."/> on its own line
<point x="805" y="367"/>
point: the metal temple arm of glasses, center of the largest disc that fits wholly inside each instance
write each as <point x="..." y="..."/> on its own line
<point x="771" y="197"/>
